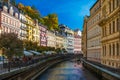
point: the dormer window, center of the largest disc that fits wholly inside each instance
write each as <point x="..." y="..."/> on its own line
<point x="5" y="8"/>
<point x="11" y="10"/>
<point x="16" y="15"/>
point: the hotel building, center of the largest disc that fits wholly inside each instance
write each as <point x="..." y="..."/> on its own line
<point x="110" y="24"/>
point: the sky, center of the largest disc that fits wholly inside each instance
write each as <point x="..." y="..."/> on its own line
<point x="70" y="12"/>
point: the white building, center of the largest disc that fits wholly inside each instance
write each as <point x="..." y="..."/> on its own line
<point x="69" y="34"/>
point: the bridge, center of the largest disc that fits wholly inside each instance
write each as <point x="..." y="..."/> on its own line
<point x="32" y="69"/>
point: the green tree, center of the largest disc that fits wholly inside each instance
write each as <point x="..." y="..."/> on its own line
<point x="11" y="44"/>
<point x="13" y="2"/>
<point x="29" y="45"/>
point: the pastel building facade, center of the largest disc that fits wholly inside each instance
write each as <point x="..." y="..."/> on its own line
<point x="69" y="34"/>
<point x="43" y="35"/>
<point x="51" y="39"/>
<point x="36" y="32"/>
<point x="30" y="28"/>
<point x="59" y="41"/>
<point x="9" y="20"/>
<point x="23" y="27"/>
<point x="77" y="41"/>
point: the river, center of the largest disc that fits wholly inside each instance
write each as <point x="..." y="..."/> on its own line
<point x="67" y="70"/>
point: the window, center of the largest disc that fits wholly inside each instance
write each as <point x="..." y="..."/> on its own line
<point x="113" y="26"/>
<point x="110" y="49"/>
<point x="117" y="24"/>
<point x="113" y="49"/>
<point x="113" y="4"/>
<point x="117" y="2"/>
<point x="105" y="30"/>
<point x="105" y="50"/>
<point x="110" y="7"/>
<point x="117" y="49"/>
<point x="110" y="28"/>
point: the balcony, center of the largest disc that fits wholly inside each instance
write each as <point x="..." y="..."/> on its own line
<point x="23" y="35"/>
<point x="110" y="37"/>
<point x="23" y="21"/>
<point x="23" y="28"/>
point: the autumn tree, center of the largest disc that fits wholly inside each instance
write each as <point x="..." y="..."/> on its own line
<point x="11" y="44"/>
<point x="51" y="21"/>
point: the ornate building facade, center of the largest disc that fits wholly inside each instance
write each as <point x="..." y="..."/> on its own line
<point x="94" y="33"/>
<point x="110" y="24"/>
<point x="51" y="39"/>
<point x="23" y="26"/>
<point x="69" y="34"/>
<point x="84" y="38"/>
<point x="9" y="21"/>
<point x="43" y="35"/>
<point x="30" y="28"/>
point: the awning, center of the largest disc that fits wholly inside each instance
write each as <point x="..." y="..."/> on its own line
<point x="26" y="53"/>
<point x="34" y="52"/>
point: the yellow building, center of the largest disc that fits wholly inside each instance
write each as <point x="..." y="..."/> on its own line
<point x="36" y="33"/>
<point x="60" y="41"/>
<point x="110" y="24"/>
<point x="30" y="29"/>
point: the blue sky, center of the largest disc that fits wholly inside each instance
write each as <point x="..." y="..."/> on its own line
<point x="70" y="12"/>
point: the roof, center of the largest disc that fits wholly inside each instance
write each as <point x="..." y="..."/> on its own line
<point x="94" y="4"/>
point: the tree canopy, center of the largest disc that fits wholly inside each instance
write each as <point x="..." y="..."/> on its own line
<point x="30" y="11"/>
<point x="11" y="44"/>
<point x="51" y="21"/>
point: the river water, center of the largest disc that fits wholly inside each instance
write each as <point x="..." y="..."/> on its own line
<point x="67" y="70"/>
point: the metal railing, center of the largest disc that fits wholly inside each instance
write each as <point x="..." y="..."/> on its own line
<point x="19" y="63"/>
